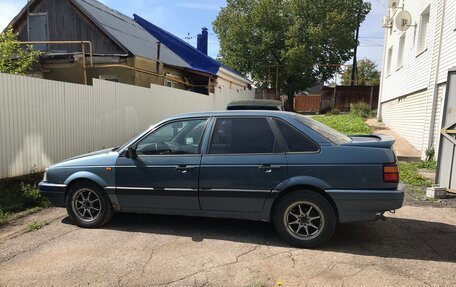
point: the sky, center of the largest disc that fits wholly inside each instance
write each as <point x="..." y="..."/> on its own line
<point x="185" y="18"/>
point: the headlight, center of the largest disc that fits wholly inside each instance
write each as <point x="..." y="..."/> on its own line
<point x="45" y="175"/>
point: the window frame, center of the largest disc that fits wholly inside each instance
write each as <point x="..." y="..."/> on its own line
<point x="277" y="135"/>
<point x="173" y="84"/>
<point x="423" y="39"/>
<point x="302" y="133"/>
<point x="156" y="128"/>
<point x="389" y="62"/>
<point x="401" y="52"/>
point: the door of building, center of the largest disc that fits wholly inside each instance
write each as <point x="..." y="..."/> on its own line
<point x="38" y="29"/>
<point x="446" y="171"/>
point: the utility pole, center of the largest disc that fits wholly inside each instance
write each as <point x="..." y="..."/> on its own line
<point x="355" y="62"/>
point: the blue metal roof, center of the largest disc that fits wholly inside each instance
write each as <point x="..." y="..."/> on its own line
<point x="197" y="60"/>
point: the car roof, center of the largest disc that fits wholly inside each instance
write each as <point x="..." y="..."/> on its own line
<point x="266" y="113"/>
<point x="258" y="102"/>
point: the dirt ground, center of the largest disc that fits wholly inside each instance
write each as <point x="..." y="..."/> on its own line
<point x="416" y="246"/>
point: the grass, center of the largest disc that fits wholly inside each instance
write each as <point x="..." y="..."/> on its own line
<point x="349" y="124"/>
<point x="20" y="196"/>
<point x="36" y="225"/>
<point x="409" y="173"/>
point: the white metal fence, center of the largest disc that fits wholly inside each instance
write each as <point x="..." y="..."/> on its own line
<point x="43" y="122"/>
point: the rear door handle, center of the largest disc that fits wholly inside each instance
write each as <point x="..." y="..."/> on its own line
<point x="267" y="168"/>
<point x="184" y="168"/>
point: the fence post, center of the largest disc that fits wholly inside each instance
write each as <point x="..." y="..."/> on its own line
<point x="371" y="96"/>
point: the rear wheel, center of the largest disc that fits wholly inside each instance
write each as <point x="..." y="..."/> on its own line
<point x="304" y="218"/>
<point x="88" y="205"/>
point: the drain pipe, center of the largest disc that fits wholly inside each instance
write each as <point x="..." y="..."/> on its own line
<point x="382" y="75"/>
<point x="436" y="80"/>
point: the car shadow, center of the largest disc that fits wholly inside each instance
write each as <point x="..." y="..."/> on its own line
<point x="393" y="238"/>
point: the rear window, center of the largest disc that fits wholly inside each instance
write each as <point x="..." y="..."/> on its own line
<point x="325" y="131"/>
<point x="295" y="140"/>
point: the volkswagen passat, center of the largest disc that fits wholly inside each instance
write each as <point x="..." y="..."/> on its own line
<point x="260" y="165"/>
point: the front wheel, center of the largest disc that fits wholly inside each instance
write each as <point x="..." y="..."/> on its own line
<point x="88" y="205"/>
<point x="304" y="218"/>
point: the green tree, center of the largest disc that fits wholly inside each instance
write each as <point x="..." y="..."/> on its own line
<point x="368" y="74"/>
<point x="303" y="39"/>
<point x="15" y="58"/>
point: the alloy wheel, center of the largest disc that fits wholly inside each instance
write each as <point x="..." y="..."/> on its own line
<point x="86" y="205"/>
<point x="304" y="220"/>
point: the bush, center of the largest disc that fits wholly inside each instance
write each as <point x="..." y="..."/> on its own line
<point x="334" y="112"/>
<point x="32" y="196"/>
<point x="361" y="109"/>
<point x="324" y="110"/>
<point x="17" y="195"/>
<point x="430" y="154"/>
<point x="3" y="217"/>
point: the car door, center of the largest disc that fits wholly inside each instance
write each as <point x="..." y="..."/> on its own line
<point x="243" y="163"/>
<point x="163" y="175"/>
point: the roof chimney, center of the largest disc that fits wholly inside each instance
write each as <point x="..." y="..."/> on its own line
<point x="202" y="40"/>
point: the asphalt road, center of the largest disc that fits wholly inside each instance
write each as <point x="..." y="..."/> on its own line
<point x="414" y="247"/>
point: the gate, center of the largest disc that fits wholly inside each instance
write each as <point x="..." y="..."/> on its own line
<point x="446" y="171"/>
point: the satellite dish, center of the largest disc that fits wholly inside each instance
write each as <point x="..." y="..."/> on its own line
<point x="403" y="20"/>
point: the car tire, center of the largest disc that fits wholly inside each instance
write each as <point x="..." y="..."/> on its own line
<point x="304" y="218"/>
<point x="88" y="205"/>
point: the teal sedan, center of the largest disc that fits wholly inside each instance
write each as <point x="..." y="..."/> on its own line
<point x="274" y="166"/>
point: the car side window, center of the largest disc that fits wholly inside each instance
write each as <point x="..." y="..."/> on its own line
<point x="295" y="140"/>
<point x="182" y="137"/>
<point x="242" y="135"/>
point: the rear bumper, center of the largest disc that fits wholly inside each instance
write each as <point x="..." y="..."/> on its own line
<point x="365" y="205"/>
<point x="55" y="193"/>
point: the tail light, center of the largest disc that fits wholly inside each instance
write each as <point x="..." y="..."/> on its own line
<point x="391" y="173"/>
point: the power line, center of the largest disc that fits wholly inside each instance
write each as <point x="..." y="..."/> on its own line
<point x="189" y="37"/>
<point x="378" y="1"/>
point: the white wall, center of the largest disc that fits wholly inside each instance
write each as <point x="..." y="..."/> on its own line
<point x="448" y="50"/>
<point x="43" y="122"/>
<point x="415" y="71"/>
<point x="405" y="118"/>
<point x="227" y="91"/>
<point x="420" y="72"/>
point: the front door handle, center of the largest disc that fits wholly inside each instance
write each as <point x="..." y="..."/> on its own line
<point x="267" y="168"/>
<point x="184" y="168"/>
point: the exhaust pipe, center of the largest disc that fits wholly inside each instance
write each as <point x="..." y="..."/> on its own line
<point x="380" y="216"/>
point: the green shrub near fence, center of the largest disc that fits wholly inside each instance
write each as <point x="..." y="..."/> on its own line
<point x="20" y="194"/>
<point x="362" y="109"/>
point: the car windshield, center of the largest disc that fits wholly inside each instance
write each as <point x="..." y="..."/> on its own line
<point x="131" y="140"/>
<point x="327" y="132"/>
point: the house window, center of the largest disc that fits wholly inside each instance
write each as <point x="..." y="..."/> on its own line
<point x="111" y="78"/>
<point x="423" y="30"/>
<point x="400" y="52"/>
<point x="171" y="84"/>
<point x="389" y="60"/>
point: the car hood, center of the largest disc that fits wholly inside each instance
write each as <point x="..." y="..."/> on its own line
<point x="105" y="157"/>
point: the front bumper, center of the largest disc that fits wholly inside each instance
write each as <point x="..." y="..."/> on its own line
<point x="365" y="205"/>
<point x="55" y="193"/>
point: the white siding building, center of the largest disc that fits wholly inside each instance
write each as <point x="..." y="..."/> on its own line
<point x="415" y="69"/>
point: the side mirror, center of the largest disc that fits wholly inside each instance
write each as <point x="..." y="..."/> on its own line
<point x="130" y="152"/>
